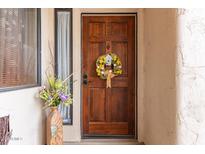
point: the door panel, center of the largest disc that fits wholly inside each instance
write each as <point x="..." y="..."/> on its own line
<point x="119" y="30"/>
<point x="97" y="104"/>
<point x="120" y="48"/>
<point x="119" y="113"/>
<point x="108" y="111"/>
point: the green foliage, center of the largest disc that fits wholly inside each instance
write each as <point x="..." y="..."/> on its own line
<point x="51" y="81"/>
<point x="58" y="84"/>
<point x="56" y="93"/>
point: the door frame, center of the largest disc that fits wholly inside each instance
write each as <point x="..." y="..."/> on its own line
<point x="136" y="73"/>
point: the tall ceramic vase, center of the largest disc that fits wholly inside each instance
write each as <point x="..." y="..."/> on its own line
<point x="54" y="127"/>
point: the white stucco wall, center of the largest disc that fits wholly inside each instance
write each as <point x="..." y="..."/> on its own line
<point x="191" y="76"/>
<point x="26" y="116"/>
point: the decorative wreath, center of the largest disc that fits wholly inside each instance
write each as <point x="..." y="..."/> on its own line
<point x="108" y="63"/>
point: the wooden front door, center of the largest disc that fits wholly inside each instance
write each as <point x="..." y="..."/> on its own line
<point x="108" y="111"/>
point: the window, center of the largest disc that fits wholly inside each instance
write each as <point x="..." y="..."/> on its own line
<point x="19" y="48"/>
<point x="63" y="20"/>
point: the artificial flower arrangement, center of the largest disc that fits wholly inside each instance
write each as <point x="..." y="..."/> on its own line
<point x="108" y="60"/>
<point x="108" y="66"/>
<point x="56" y="93"/>
<point x="53" y="94"/>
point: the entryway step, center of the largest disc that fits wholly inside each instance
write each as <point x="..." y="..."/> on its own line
<point x="105" y="142"/>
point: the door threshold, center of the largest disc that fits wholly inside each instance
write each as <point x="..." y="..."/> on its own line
<point x="86" y="136"/>
<point x="105" y="142"/>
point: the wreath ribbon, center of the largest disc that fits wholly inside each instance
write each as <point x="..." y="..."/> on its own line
<point x="109" y="77"/>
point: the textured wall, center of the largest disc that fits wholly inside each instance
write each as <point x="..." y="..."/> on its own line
<point x="191" y="76"/>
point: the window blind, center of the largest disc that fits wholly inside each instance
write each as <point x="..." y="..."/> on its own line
<point x="18" y="47"/>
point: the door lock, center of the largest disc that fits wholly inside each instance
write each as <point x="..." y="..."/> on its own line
<point x="85" y="78"/>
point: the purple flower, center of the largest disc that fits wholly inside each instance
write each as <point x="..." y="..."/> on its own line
<point x="63" y="97"/>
